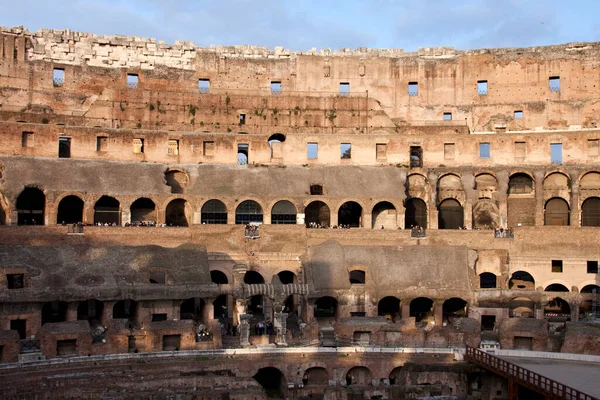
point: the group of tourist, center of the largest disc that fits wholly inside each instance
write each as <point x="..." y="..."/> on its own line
<point x="203" y="335"/>
<point x="228" y="329"/>
<point x="316" y="225"/>
<point x="261" y="328"/>
<point x="251" y="231"/>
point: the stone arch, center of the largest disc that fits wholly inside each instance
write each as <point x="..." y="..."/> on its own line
<point x="557" y="212"/>
<point x="521" y="200"/>
<point x="556" y="287"/>
<point x="70" y="210"/>
<point x="107" y="210"/>
<point x="248" y="211"/>
<point x="177" y="179"/>
<point x="487" y="280"/>
<point x="521" y="307"/>
<point x="350" y="214"/>
<point x="253" y="278"/>
<point x="421" y="309"/>
<point x="590" y="288"/>
<point x="31" y="207"/>
<point x="396" y="376"/>
<point x="384" y="215"/>
<point x="451" y="214"/>
<point x="283" y="212"/>
<point x="454" y="307"/>
<point x="417" y="186"/>
<point x="315" y="376"/>
<point x="486" y="185"/>
<point x="325" y="307"/>
<point x="213" y="212"/>
<point x="143" y="210"/>
<point x="286" y="277"/>
<point x="389" y="307"/>
<point x="590" y="180"/>
<point x="218" y="277"/>
<point x="359" y="376"/>
<point x="590" y="212"/>
<point x="486" y="214"/>
<point x="415" y="213"/>
<point x="557" y="184"/>
<point x="178" y="213"/>
<point x="450" y="187"/>
<point x="557" y="310"/>
<point x="273" y="382"/>
<point x="317" y="213"/>
<point x="521" y="280"/>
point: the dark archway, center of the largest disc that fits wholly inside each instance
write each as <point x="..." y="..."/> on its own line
<point x="31" y="205"/>
<point x="256" y="306"/>
<point x="248" y="211"/>
<point x="454" y="308"/>
<point x="487" y="280"/>
<point x="556" y="287"/>
<point x="125" y="309"/>
<point x="421" y="308"/>
<point x="521" y="201"/>
<point x="220" y="307"/>
<point x="389" y="307"/>
<point x="325" y="307"/>
<point x="177" y="213"/>
<point x="590" y="289"/>
<point x="359" y="376"/>
<point x="396" y="376"/>
<point x="54" y="311"/>
<point x="287" y="277"/>
<point x="218" y="277"/>
<point x="143" y="210"/>
<point x="214" y="212"/>
<point x="522" y="307"/>
<point x="90" y="310"/>
<point x="317" y="213"/>
<point x="357" y="277"/>
<point x="253" y="278"/>
<point x="107" y="210"/>
<point x="350" y="214"/>
<point x="272" y="381"/>
<point x="70" y="210"/>
<point x="315" y="376"/>
<point x="451" y="215"/>
<point x="384" y="216"/>
<point x="283" y="212"/>
<point x="556" y="212"/>
<point x="415" y="213"/>
<point x="191" y="309"/>
<point x="521" y="280"/>
<point x="590" y="212"/>
<point x="557" y="310"/>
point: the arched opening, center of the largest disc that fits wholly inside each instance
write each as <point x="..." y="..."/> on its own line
<point x="242" y="153"/>
<point x="253" y="278"/>
<point x="54" y="311"/>
<point x="384" y="216"/>
<point x="521" y="201"/>
<point x="587" y="311"/>
<point x="357" y="277"/>
<point x="590" y="212"/>
<point x="178" y="213"/>
<point x="556" y="287"/>
<point x="557" y="310"/>
<point x="191" y="309"/>
<point x="177" y="180"/>
<point x="521" y="307"/>
<point x="248" y="211"/>
<point x="107" y="210"/>
<point x="218" y="277"/>
<point x="521" y="280"/>
<point x="220" y="307"/>
<point x="520" y="183"/>
<point x="256" y="307"/>
<point x="359" y="376"/>
<point x="287" y="277"/>
<point x="214" y="212"/>
<point x="143" y="211"/>
<point x="590" y="289"/>
<point x="291" y="305"/>
<point x="454" y="308"/>
<point x="70" y="210"/>
<point x="485" y="214"/>
<point x="125" y="309"/>
<point x="325" y="307"/>
<point x="275" y="143"/>
<point x="451" y="215"/>
<point x="283" y="212"/>
<point x="556" y="212"/>
<point x="317" y="215"/>
<point x="487" y="280"/>
<point x="90" y="310"/>
<point x="396" y="376"/>
<point x="316" y="376"/>
<point x="422" y="309"/>
<point x="415" y="214"/>
<point x="31" y="205"/>
<point x="272" y="381"/>
<point x="350" y="214"/>
<point x="389" y="307"/>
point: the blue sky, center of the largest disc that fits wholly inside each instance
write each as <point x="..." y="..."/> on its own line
<point x="303" y="24"/>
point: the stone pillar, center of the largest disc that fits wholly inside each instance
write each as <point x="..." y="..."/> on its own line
<point x="574" y="203"/>
<point x="539" y="198"/>
<point x="280" y="328"/>
<point x="406" y="310"/>
<point x="88" y="213"/>
<point x="244" y="330"/>
<point x="333" y="217"/>
<point x="367" y="221"/>
<point x="438" y="313"/>
<point x="432" y="218"/>
<point x="502" y="196"/>
<point x="72" y="311"/>
<point x="208" y="311"/>
<point x="231" y="217"/>
<point x="400" y="217"/>
<point x="107" y="311"/>
<point x="468" y="214"/>
<point x="574" y="312"/>
<point x="266" y="217"/>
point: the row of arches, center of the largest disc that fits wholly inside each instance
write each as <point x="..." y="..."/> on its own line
<point x="522" y="280"/>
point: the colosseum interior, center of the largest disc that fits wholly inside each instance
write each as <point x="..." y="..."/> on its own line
<point x="240" y="222"/>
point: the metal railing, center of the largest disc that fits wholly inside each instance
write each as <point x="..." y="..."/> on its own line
<point x="29" y="345"/>
<point x="524" y="377"/>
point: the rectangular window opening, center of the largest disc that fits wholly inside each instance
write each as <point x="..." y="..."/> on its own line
<point x="447" y="116"/>
<point x="449" y="151"/>
<point x="58" y="76"/>
<point x="416" y="156"/>
<point x="556" y="153"/>
<point x="520" y="150"/>
<point x="157" y="277"/>
<point x="138" y="145"/>
<point x="171" y="342"/>
<point x="488" y="322"/>
<point x="208" y="148"/>
<point x="482" y="87"/>
<point x="344" y="88"/>
<point x="173" y="149"/>
<point x="312" y="151"/>
<point x="15" y="281"/>
<point x="275" y="87"/>
<point x="66" y="347"/>
<point x="554" y="82"/>
<point x="381" y="151"/>
<point x="159" y="317"/>
<point x="19" y="325"/>
<point x="101" y="143"/>
<point x="204" y="85"/>
<point x="64" y="147"/>
<point x="242" y="119"/>
<point x="27" y="139"/>
<point x="518" y="114"/>
<point x="243" y="156"/>
<point x="413" y="88"/>
<point x="557" y="266"/>
<point x="345" y="151"/>
<point x="316" y="190"/>
<point x="132" y="80"/>
<point x="593" y="147"/>
<point x="592" y="267"/>
<point x="484" y="150"/>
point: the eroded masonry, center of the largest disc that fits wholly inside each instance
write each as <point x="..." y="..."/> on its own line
<point x="163" y="197"/>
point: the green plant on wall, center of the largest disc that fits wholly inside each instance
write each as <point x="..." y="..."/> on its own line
<point x="192" y="110"/>
<point x="331" y="115"/>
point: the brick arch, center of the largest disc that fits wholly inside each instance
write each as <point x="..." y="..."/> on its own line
<point x="228" y="274"/>
<point x="296" y="204"/>
<point x="522" y="171"/>
<point x="397" y="203"/>
<point x="552" y="281"/>
<point x="322" y="199"/>
<point x="587" y="171"/>
<point x="170" y="198"/>
<point x="586" y="283"/>
<point x="282" y="269"/>
<point x="347" y="369"/>
<point x="556" y="170"/>
<point x="240" y="200"/>
<point x="457" y="194"/>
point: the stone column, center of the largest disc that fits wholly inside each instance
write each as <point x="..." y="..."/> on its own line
<point x="432" y="218"/>
<point x="72" y="311"/>
<point x="405" y="310"/>
<point x="438" y="313"/>
<point x="503" y="200"/>
<point x="280" y="327"/>
<point x="107" y="311"/>
<point x="574" y="312"/>
<point x="333" y="217"/>
<point x="468" y="214"/>
<point x="208" y="311"/>
<point x="367" y="221"/>
<point x="574" y="203"/>
<point x="539" y="198"/>
<point x="244" y="330"/>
